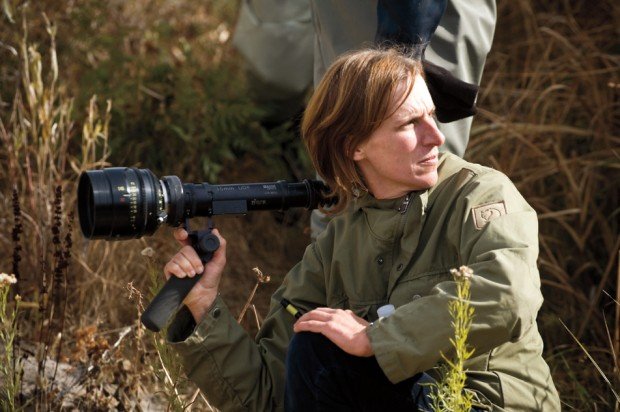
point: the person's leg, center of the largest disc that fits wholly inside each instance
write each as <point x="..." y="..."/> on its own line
<point x="322" y="377"/>
<point x="460" y="45"/>
<point x="276" y="41"/>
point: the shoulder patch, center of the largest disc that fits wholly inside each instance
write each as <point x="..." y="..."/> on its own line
<point x="483" y="214"/>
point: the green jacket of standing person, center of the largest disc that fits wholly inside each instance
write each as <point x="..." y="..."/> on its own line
<point x="404" y="221"/>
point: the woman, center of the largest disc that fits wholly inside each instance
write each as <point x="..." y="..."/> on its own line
<point x="406" y="214"/>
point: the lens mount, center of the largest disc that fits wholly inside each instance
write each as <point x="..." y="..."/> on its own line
<point x="175" y="204"/>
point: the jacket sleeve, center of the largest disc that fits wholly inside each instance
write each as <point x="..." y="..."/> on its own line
<point x="505" y="287"/>
<point x="235" y="372"/>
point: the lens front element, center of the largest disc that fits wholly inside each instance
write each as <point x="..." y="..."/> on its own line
<point x="119" y="202"/>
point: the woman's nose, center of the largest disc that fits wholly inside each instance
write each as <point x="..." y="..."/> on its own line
<point x="432" y="136"/>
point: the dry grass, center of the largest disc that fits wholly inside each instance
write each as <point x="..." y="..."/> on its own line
<point x="77" y="312"/>
<point x="549" y="120"/>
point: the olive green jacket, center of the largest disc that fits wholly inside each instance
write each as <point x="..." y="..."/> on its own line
<point x="400" y="252"/>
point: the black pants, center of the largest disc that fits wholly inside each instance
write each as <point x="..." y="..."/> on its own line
<point x="322" y="377"/>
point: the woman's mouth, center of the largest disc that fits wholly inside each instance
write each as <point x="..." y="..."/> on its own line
<point x="430" y="160"/>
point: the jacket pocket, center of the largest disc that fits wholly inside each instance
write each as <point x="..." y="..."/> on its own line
<point x="364" y="309"/>
<point x="367" y="310"/>
<point x="417" y="285"/>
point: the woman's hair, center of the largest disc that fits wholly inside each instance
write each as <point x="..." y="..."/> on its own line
<point x="353" y="99"/>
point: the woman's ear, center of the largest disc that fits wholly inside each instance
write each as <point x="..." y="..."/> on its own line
<point x="359" y="153"/>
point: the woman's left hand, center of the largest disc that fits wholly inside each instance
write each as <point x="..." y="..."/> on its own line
<point x="342" y="327"/>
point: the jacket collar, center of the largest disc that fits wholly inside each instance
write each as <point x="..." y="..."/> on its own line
<point x="368" y="201"/>
<point x="388" y="222"/>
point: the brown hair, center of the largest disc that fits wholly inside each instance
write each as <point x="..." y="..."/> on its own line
<point x="350" y="103"/>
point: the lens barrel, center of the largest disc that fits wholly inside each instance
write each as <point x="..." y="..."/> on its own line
<point x="123" y="203"/>
<point x="119" y="203"/>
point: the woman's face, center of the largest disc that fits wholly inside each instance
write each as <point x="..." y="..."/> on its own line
<point x="401" y="155"/>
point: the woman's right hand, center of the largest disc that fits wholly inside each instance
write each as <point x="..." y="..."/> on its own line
<point x="186" y="263"/>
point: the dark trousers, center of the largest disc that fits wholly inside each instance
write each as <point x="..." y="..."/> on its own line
<point x="322" y="377"/>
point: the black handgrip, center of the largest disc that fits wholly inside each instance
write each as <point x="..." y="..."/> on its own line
<point x="167" y="302"/>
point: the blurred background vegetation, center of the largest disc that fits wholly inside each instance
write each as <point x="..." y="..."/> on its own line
<point x="157" y="84"/>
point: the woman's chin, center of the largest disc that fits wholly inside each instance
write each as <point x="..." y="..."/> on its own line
<point x="426" y="180"/>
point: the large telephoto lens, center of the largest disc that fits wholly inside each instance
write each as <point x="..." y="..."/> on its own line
<point x="122" y="203"/>
<point x="119" y="203"/>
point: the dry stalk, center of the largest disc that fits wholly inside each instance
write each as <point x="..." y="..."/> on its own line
<point x="616" y="342"/>
<point x="596" y="365"/>
<point x="16" y="237"/>
<point x="257" y="316"/>
<point x="260" y="278"/>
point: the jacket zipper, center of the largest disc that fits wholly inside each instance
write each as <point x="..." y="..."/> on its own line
<point x="403" y="207"/>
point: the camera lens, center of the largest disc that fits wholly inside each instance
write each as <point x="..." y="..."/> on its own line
<point x="119" y="202"/>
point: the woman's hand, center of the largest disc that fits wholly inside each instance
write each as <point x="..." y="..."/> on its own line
<point x="186" y="263"/>
<point x="342" y="327"/>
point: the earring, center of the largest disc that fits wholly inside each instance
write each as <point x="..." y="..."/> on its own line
<point x="357" y="189"/>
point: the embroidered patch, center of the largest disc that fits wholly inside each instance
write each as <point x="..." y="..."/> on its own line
<point x="483" y="214"/>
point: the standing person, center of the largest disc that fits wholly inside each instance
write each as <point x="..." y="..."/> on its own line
<point x="405" y="214"/>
